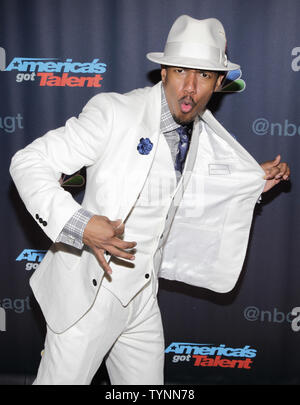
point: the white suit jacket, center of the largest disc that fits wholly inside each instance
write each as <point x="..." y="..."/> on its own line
<point x="104" y="138"/>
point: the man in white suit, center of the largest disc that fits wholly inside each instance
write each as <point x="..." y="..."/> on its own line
<point x="161" y="173"/>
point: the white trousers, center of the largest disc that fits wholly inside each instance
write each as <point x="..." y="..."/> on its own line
<point x="131" y="337"/>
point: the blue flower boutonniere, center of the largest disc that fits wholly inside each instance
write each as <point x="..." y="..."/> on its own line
<point x="145" y="146"/>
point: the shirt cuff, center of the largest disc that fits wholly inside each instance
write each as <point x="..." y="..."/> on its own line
<point x="72" y="232"/>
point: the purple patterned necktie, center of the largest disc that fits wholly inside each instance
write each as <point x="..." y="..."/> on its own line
<point x="183" y="146"/>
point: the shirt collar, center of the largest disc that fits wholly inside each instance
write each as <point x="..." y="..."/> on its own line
<point x="167" y="123"/>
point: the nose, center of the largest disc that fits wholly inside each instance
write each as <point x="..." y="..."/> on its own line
<point x="190" y="84"/>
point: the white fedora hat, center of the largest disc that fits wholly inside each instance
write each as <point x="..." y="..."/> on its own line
<point x="196" y="44"/>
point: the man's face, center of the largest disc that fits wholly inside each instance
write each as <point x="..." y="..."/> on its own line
<point x="188" y="91"/>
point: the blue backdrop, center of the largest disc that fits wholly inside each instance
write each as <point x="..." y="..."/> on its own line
<point x="255" y="328"/>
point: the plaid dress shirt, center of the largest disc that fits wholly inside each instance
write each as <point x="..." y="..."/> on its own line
<point x="72" y="232"/>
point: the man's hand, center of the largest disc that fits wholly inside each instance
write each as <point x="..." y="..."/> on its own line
<point x="101" y="235"/>
<point x="275" y="172"/>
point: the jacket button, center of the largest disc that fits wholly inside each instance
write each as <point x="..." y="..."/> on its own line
<point x="37" y="216"/>
<point x="147" y="275"/>
<point x="40" y="220"/>
<point x="94" y="282"/>
<point x="45" y="223"/>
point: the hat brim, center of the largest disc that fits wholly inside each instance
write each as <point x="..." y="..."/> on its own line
<point x="193" y="63"/>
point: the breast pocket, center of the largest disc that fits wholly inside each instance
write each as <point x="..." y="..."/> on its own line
<point x="218" y="169"/>
<point x="220" y="185"/>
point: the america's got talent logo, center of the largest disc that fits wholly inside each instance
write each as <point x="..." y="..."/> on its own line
<point x="210" y="355"/>
<point x="53" y="72"/>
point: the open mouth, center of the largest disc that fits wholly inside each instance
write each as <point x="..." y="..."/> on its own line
<point x="186" y="104"/>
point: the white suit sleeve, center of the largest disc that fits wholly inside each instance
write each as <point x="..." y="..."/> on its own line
<point x="37" y="168"/>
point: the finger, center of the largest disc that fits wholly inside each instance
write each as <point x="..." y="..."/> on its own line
<point x="286" y="176"/>
<point x="284" y="170"/>
<point x="122" y="244"/>
<point x="100" y="256"/>
<point x="119" y="230"/>
<point x="276" y="181"/>
<point x="116" y="223"/>
<point x="120" y="253"/>
<point x="276" y="161"/>
<point x="271" y="173"/>
<point x="118" y="226"/>
<point x="112" y="242"/>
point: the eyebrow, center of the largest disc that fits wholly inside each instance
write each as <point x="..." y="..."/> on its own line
<point x="198" y="70"/>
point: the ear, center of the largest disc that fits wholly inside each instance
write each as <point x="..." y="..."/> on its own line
<point x="163" y="73"/>
<point x="219" y="81"/>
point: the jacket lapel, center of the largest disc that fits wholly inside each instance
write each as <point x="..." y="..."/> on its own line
<point x="220" y="131"/>
<point x="149" y="129"/>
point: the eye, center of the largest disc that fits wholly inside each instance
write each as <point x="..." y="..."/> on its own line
<point x="205" y="75"/>
<point x="179" y="70"/>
